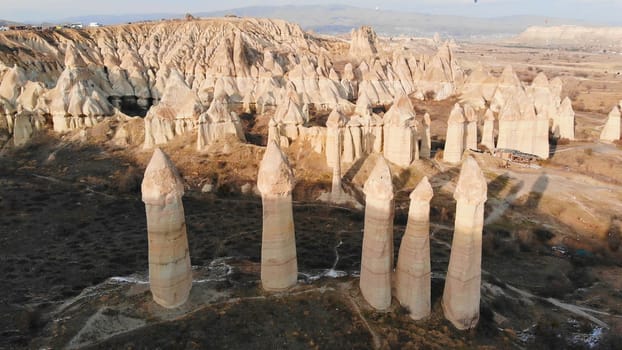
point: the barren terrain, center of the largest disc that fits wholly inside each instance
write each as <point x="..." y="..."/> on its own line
<point x="73" y="241"/>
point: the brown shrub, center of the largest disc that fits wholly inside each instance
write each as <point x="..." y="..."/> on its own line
<point x="439" y="155"/>
<point x="129" y="180"/>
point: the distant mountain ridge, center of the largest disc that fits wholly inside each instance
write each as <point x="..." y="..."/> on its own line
<point x="339" y="19"/>
<point x="4" y="22"/>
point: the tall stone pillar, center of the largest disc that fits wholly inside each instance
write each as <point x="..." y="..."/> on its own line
<point x="454" y="142"/>
<point x="611" y="131"/>
<point x="336" y="194"/>
<point x="357" y="137"/>
<point x="22" y="131"/>
<point x="275" y="181"/>
<point x="377" y="255"/>
<point x="334" y="124"/>
<point x="426" y="137"/>
<point x="399" y="133"/>
<point x="413" y="272"/>
<point x="488" y="132"/>
<point x="273" y="131"/>
<point x="541" y="140"/>
<point x="470" y="131"/>
<point x="170" y="274"/>
<point x="461" y="297"/>
<point x="566" y="119"/>
<point x="348" y="145"/>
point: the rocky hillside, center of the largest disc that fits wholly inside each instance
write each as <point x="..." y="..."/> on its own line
<point x="573" y="37"/>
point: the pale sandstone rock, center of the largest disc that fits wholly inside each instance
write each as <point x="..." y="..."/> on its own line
<point x="541" y="146"/>
<point x="275" y="181"/>
<point x="377" y="255"/>
<point x="11" y="84"/>
<point x="611" y="131"/>
<point x="470" y="130"/>
<point x="520" y="128"/>
<point x="413" y="272"/>
<point x="289" y="115"/>
<point x="400" y="146"/>
<point x="546" y="97"/>
<point x="334" y="134"/>
<point x="488" y="137"/>
<point x="371" y="127"/>
<point x="363" y="42"/>
<point x="566" y="120"/>
<point x="76" y="101"/>
<point x="508" y="125"/>
<point x="177" y="113"/>
<point x="454" y="142"/>
<point x="217" y="123"/>
<point x="23" y="129"/>
<point x="476" y="89"/>
<point x="442" y="76"/>
<point x="426" y="137"/>
<point x="31" y="97"/>
<point x="335" y="128"/>
<point x="170" y="274"/>
<point x="508" y="86"/>
<point x="461" y="297"/>
<point x="352" y="146"/>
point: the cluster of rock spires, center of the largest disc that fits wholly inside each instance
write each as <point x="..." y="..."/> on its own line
<point x="412" y="276"/>
<point x="189" y="73"/>
<point x="258" y="63"/>
<point x="170" y="274"/>
<point x="525" y="114"/>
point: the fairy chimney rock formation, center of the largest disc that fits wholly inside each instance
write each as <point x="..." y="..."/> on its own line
<point x="611" y="131"/>
<point x="275" y="181"/>
<point x="488" y="136"/>
<point x="217" y="123"/>
<point x="377" y="255"/>
<point x="454" y="142"/>
<point x="363" y="43"/>
<point x="566" y="120"/>
<point x="176" y="114"/>
<point x="461" y="297"/>
<point x="470" y="130"/>
<point x="170" y="274"/>
<point x="426" y="137"/>
<point x="334" y="129"/>
<point x="413" y="272"/>
<point x="399" y="137"/>
<point x="22" y="129"/>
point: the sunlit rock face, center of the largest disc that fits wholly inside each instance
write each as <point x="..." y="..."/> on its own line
<point x="76" y="101"/>
<point x="413" y="271"/>
<point x="611" y="130"/>
<point x="363" y="42"/>
<point x="275" y="181"/>
<point x="454" y="141"/>
<point x="377" y="255"/>
<point x="177" y="113"/>
<point x="218" y="123"/>
<point x="170" y="274"/>
<point x="400" y="136"/>
<point x="461" y="297"/>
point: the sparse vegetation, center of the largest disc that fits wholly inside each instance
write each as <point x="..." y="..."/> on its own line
<point x="128" y="181"/>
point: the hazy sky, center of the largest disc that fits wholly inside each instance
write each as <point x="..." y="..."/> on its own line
<point x="600" y="11"/>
